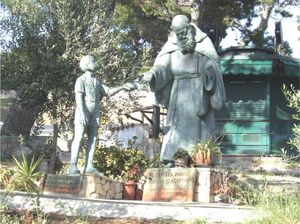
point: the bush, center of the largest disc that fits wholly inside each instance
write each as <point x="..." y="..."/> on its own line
<point x="122" y="164"/>
<point x="5" y="176"/>
<point x="25" y="175"/>
<point x="292" y="96"/>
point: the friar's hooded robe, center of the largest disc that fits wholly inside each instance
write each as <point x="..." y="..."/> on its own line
<point x="191" y="87"/>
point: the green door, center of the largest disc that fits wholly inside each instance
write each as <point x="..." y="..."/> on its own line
<point x="244" y="119"/>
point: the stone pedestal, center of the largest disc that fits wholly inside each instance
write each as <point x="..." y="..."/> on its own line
<point x="87" y="186"/>
<point x="217" y="180"/>
<point x="183" y="184"/>
<point x="208" y="185"/>
<point x="98" y="186"/>
<point x="63" y="184"/>
<point x="202" y="186"/>
<point x="169" y="184"/>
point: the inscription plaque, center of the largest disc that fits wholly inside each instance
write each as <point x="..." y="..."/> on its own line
<point x="63" y="183"/>
<point x="169" y="184"/>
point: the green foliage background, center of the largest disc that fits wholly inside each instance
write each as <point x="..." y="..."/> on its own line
<point x="48" y="38"/>
<point x="292" y="96"/>
<point x="122" y="164"/>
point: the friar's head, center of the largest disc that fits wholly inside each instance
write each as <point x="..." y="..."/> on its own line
<point x="185" y="33"/>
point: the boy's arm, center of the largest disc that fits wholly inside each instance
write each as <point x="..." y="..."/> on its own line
<point x="127" y="86"/>
<point x="79" y="98"/>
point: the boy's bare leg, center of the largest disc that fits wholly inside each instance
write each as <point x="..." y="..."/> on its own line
<point x="90" y="150"/>
<point x="79" y="132"/>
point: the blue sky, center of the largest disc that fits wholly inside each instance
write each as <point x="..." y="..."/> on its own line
<point x="290" y="32"/>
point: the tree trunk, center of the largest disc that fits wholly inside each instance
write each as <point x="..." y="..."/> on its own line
<point x="52" y="163"/>
<point x="257" y="36"/>
<point x="20" y="119"/>
<point x="51" y="168"/>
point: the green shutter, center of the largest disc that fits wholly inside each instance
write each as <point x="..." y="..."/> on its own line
<point x="246" y="100"/>
<point x="244" y="137"/>
<point x="244" y="118"/>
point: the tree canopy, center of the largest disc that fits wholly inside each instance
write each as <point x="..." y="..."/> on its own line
<point x="48" y="37"/>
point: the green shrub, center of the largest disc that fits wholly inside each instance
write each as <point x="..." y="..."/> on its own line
<point x="292" y="96"/>
<point x="25" y="175"/>
<point x="5" y="176"/>
<point x="122" y="164"/>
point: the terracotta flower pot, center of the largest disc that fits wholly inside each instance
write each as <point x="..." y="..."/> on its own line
<point x="199" y="159"/>
<point x="129" y="190"/>
<point x="208" y="158"/>
<point x="202" y="159"/>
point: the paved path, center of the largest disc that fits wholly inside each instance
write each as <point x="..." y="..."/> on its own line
<point x="213" y="213"/>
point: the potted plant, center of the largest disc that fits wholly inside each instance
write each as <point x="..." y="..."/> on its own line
<point x="207" y="153"/>
<point x="182" y="158"/>
<point x="130" y="178"/>
<point x="125" y="165"/>
<point x="134" y="165"/>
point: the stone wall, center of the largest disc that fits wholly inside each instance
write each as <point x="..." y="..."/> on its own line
<point x="98" y="186"/>
<point x="10" y="146"/>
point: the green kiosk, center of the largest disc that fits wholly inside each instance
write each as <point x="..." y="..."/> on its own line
<point x="255" y="119"/>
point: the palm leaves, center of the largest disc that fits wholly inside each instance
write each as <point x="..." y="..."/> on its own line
<point x="26" y="174"/>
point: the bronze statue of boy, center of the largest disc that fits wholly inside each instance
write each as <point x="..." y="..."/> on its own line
<point x="89" y="90"/>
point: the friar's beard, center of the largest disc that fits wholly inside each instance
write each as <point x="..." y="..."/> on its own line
<point x="188" y="44"/>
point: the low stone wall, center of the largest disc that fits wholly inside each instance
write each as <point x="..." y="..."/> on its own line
<point x="10" y="146"/>
<point x="98" y="186"/>
<point x="276" y="165"/>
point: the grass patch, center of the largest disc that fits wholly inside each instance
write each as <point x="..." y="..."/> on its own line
<point x="280" y="208"/>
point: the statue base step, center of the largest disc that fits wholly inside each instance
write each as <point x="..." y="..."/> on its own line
<point x="183" y="184"/>
<point x="88" y="186"/>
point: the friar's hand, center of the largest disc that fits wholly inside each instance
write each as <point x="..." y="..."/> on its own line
<point x="130" y="86"/>
<point x="147" y="77"/>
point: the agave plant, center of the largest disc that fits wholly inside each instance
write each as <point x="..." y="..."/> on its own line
<point x="26" y="174"/>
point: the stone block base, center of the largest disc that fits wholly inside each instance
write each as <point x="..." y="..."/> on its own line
<point x="88" y="186"/>
<point x="208" y="185"/>
<point x="169" y="184"/>
<point x="183" y="184"/>
<point x="98" y="186"/>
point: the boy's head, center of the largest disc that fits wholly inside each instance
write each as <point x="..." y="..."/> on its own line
<point x="88" y="63"/>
